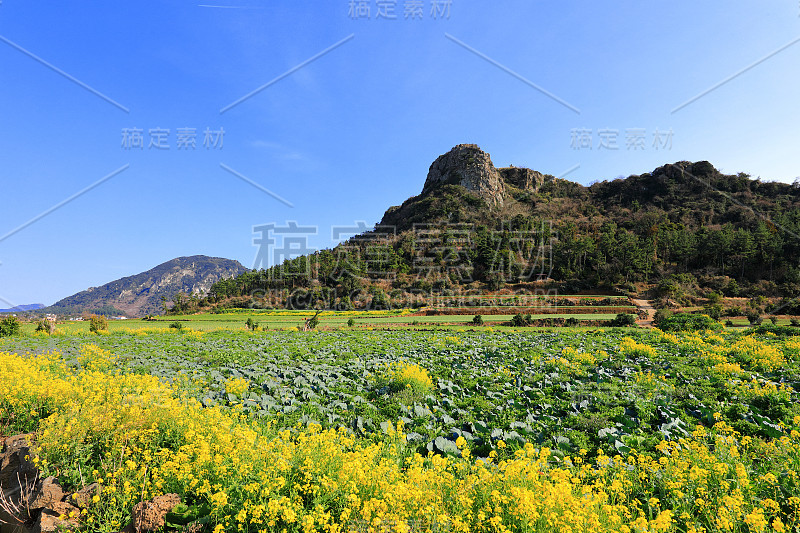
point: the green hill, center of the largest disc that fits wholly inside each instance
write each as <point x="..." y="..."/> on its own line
<point x="474" y="227"/>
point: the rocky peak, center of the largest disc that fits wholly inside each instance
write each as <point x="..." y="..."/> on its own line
<point x="472" y="168"/>
<point x="522" y="178"/>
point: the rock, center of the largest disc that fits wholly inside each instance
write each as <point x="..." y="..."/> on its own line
<point x="51" y="518"/>
<point x="48" y="493"/>
<point x="472" y="168"/>
<point x="523" y="178"/>
<point x="83" y="497"/>
<point x="492" y="192"/>
<point x="15" y="461"/>
<point x="17" y="475"/>
<point x="149" y="516"/>
<point x="194" y="527"/>
<point x="17" y="441"/>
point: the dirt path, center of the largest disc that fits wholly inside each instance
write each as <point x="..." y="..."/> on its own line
<point x="648" y="308"/>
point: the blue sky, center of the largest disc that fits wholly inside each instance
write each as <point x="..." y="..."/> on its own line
<point x="354" y="131"/>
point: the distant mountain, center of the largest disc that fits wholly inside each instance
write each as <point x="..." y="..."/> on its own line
<point x="23" y="308"/>
<point x="141" y="294"/>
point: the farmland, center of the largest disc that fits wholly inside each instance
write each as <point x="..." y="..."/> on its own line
<point x="234" y="320"/>
<point x="587" y="429"/>
<point x="572" y="389"/>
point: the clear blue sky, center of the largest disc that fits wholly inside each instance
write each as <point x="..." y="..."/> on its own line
<point x="354" y="131"/>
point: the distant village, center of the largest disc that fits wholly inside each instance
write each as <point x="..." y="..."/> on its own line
<point x="53" y="317"/>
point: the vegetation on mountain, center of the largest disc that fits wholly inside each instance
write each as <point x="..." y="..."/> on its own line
<point x="685" y="229"/>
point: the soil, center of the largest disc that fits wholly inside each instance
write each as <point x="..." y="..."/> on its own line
<point x="647" y="307"/>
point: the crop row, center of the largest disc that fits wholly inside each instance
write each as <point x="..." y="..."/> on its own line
<point x="579" y="390"/>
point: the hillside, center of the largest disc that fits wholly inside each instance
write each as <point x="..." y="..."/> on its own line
<point x="684" y="228"/>
<point x="463" y="186"/>
<point x="141" y="294"/>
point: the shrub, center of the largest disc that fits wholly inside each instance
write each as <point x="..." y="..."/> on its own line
<point x="495" y="282"/>
<point x="176" y="326"/>
<point x="733" y="288"/>
<point x="669" y="288"/>
<point x="98" y="323"/>
<point x="779" y="331"/>
<point x="379" y="299"/>
<point x="520" y="321"/>
<point x="754" y="317"/>
<point x="733" y="311"/>
<point x="794" y="322"/>
<point x="350" y="322"/>
<point x="661" y="315"/>
<point x="45" y="326"/>
<point x="9" y="326"/>
<point x="757" y="302"/>
<point x="477" y="320"/>
<point x="572" y="322"/>
<point x="251" y="324"/>
<point x="624" y="320"/>
<point x="687" y="322"/>
<point x="714" y="311"/>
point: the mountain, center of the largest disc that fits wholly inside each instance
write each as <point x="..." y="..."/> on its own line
<point x="684" y="228"/>
<point x="141" y="294"/>
<point x="23" y="308"/>
<point x="464" y="186"/>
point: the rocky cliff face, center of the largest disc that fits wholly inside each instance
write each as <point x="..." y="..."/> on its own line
<point x="523" y="178"/>
<point x="141" y="294"/>
<point x="469" y="166"/>
<point x="463" y="186"/>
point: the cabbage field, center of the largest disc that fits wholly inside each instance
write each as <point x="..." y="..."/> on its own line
<point x="600" y="389"/>
<point x="590" y="430"/>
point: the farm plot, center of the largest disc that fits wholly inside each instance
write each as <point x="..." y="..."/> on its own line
<point x="409" y="431"/>
<point x="571" y="390"/>
<point x="285" y="320"/>
<point x="503" y="304"/>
